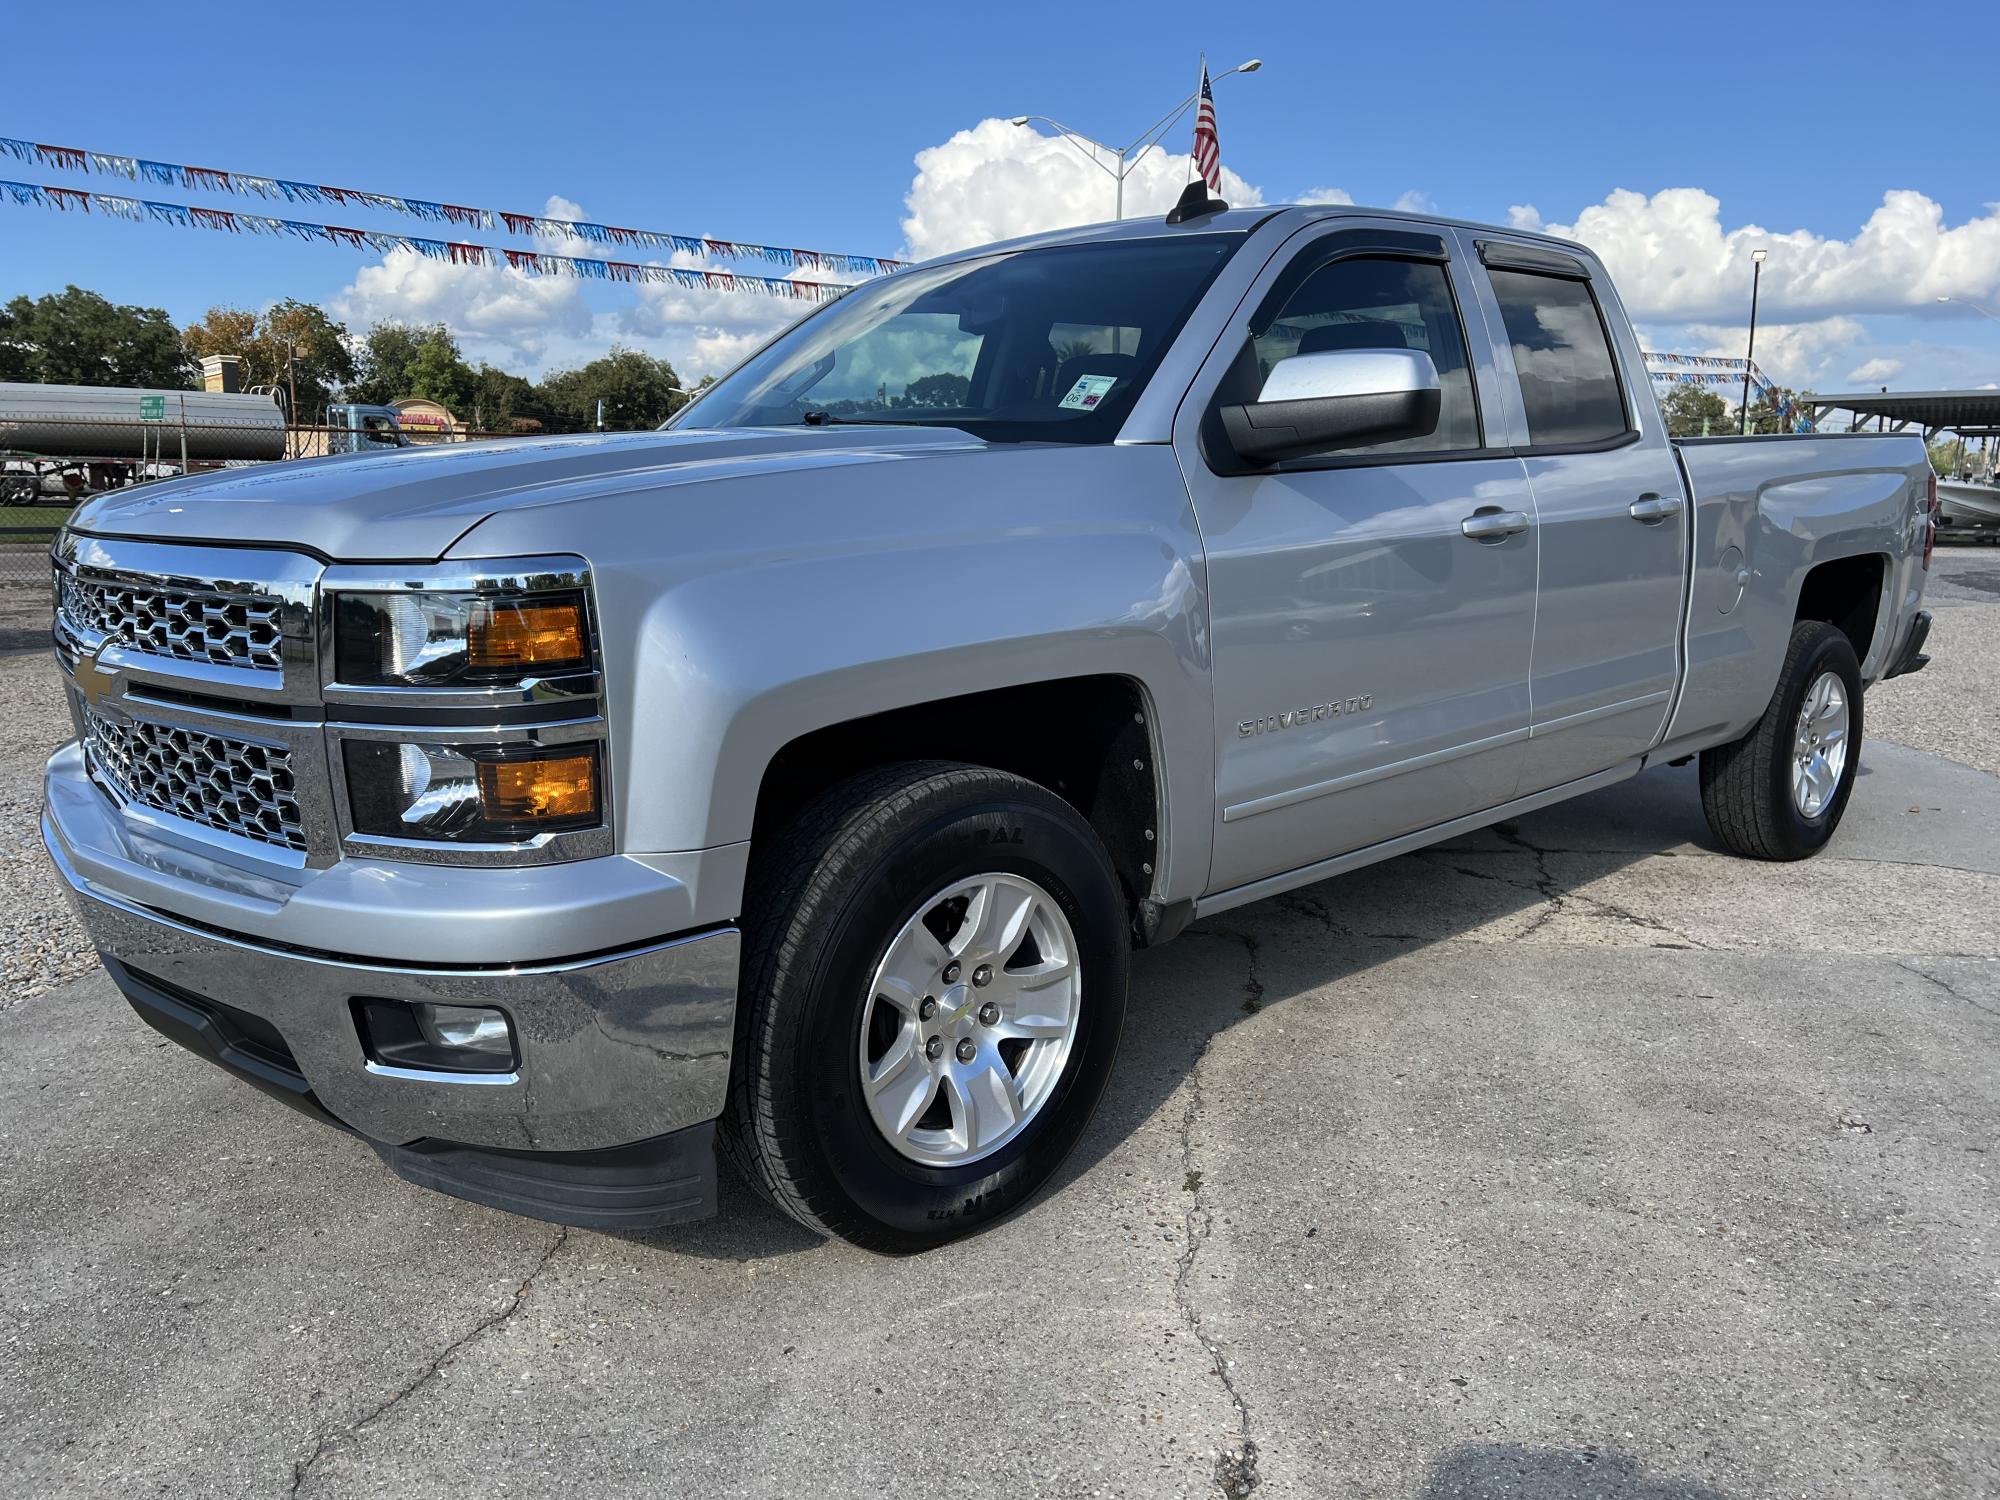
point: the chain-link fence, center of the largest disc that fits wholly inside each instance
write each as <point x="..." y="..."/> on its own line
<point x="64" y="462"/>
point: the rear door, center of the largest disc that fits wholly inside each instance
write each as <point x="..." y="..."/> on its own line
<point x="1611" y="513"/>
<point x="1370" y="656"/>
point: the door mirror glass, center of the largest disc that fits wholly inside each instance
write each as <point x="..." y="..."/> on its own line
<point x="1338" y="398"/>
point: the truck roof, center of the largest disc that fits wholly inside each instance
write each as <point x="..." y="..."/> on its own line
<point x="1244" y="220"/>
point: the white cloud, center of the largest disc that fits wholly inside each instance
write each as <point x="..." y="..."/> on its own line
<point x="1673" y="259"/>
<point x="531" y="323"/>
<point x="1794" y="354"/>
<point x="1414" y="202"/>
<point x="1524" y="216"/>
<point x="1876" y="371"/>
<point x="996" y="181"/>
<point x="497" y="314"/>
<point x="1325" y="195"/>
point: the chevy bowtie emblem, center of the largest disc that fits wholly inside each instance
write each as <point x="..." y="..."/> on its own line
<point x="98" y="684"/>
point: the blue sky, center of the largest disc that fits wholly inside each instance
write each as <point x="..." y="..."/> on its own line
<point x="805" y="129"/>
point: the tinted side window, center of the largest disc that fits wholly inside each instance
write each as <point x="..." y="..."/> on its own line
<point x="1370" y="303"/>
<point x="1569" y="379"/>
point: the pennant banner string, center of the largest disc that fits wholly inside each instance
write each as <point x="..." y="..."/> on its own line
<point x="244" y="184"/>
<point x="534" y="262"/>
<point x="1724" y="369"/>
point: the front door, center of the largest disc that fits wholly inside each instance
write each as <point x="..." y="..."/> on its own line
<point x="1370" y="655"/>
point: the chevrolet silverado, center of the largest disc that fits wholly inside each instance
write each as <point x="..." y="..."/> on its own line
<point x="795" y="782"/>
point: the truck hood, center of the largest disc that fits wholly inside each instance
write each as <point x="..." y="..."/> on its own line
<point x="413" y="503"/>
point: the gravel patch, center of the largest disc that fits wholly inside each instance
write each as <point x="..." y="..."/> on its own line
<point x="41" y="943"/>
<point x="1952" y="707"/>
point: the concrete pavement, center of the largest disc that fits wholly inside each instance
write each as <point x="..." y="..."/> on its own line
<point x="1571" y="1159"/>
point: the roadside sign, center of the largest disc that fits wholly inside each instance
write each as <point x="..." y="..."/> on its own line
<point x="152" y="408"/>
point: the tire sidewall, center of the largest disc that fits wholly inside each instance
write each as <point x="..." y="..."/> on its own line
<point x="1831" y="652"/>
<point x="916" y="1204"/>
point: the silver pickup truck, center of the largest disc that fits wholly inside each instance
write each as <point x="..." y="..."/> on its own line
<point x="796" y="781"/>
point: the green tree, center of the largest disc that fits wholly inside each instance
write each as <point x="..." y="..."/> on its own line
<point x="505" y="402"/>
<point x="637" y="390"/>
<point x="941" y="389"/>
<point x="401" y="359"/>
<point x="1947" y="456"/>
<point x="1764" y="416"/>
<point x="74" y="337"/>
<point x="1695" y="411"/>
<point x="291" y="346"/>
<point x="439" y="374"/>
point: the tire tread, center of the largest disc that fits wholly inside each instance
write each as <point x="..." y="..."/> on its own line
<point x="1740" y="781"/>
<point x="795" y="890"/>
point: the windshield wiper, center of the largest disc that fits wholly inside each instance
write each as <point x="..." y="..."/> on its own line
<point x="828" y="419"/>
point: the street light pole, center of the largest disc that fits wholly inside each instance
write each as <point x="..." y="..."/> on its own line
<point x="1131" y="155"/>
<point x="1967" y="302"/>
<point x="1750" y="351"/>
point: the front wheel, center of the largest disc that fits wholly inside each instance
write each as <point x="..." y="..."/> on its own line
<point x="1779" y="792"/>
<point x="934" y="985"/>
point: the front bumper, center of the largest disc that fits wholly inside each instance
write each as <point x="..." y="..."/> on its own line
<point x="616" y="1048"/>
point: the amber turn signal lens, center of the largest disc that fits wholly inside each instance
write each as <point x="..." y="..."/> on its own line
<point x="538" y="791"/>
<point x="510" y="636"/>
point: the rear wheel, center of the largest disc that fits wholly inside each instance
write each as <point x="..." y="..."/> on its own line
<point x="1780" y="791"/>
<point x="933" y="987"/>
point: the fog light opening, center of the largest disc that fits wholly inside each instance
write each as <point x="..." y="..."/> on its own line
<point x="438" y="1038"/>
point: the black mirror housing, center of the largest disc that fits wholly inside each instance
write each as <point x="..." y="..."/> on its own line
<point x="1267" y="432"/>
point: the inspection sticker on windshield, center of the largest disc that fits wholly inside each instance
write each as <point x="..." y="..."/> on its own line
<point x="1088" y="391"/>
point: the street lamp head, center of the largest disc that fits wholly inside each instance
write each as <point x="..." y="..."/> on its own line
<point x="1018" y="120"/>
<point x="1251" y="66"/>
<point x="1758" y="256"/>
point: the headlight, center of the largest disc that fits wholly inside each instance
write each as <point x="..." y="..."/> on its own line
<point x="471" y="794"/>
<point x="435" y="639"/>
<point x="465" y="712"/>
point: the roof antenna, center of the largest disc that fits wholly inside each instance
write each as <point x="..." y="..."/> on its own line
<point x="1195" y="204"/>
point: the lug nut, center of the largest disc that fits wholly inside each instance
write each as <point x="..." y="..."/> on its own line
<point x="951" y="972"/>
<point x="927" y="1009"/>
<point x="934" y="1048"/>
<point x="988" y="1013"/>
<point x="966" y="1051"/>
<point x="983" y="975"/>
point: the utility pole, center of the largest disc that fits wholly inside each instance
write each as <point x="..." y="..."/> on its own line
<point x="1750" y="351"/>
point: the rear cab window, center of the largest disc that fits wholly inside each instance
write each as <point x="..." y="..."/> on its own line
<point x="1570" y="388"/>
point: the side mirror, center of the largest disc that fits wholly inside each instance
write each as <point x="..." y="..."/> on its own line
<point x="1341" y="398"/>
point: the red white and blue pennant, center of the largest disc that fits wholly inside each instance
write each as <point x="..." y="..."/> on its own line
<point x="534" y="262"/>
<point x="281" y="189"/>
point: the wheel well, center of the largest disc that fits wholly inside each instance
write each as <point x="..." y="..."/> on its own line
<point x="1847" y="594"/>
<point x="1087" y="739"/>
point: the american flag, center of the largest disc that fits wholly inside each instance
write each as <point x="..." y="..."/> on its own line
<point x="1207" y="148"/>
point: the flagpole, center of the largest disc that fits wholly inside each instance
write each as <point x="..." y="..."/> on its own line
<point x="1192" y="167"/>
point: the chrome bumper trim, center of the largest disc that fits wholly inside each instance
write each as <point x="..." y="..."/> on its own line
<point x="615" y="1048"/>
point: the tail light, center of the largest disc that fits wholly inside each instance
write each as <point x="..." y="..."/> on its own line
<point x="1930" y="521"/>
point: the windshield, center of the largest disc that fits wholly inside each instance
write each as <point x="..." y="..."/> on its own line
<point x="1032" y="345"/>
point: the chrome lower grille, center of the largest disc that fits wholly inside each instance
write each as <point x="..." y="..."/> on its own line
<point x="227" y="630"/>
<point x="221" y="782"/>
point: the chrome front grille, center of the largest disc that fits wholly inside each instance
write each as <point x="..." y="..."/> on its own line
<point x="201" y="681"/>
<point x="236" y="786"/>
<point x="187" y="624"/>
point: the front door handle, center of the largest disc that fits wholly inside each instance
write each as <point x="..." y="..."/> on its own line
<point x="1491" y="525"/>
<point x="1653" y="509"/>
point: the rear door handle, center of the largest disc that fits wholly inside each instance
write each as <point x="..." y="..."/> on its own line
<point x="1653" y="509"/>
<point x="1494" y="525"/>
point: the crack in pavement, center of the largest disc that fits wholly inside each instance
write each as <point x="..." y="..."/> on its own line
<point x="1948" y="989"/>
<point x="1235" y="1470"/>
<point x="1550" y="889"/>
<point x="302" y="1469"/>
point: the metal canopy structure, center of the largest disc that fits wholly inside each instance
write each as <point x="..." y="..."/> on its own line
<point x="1967" y="413"/>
